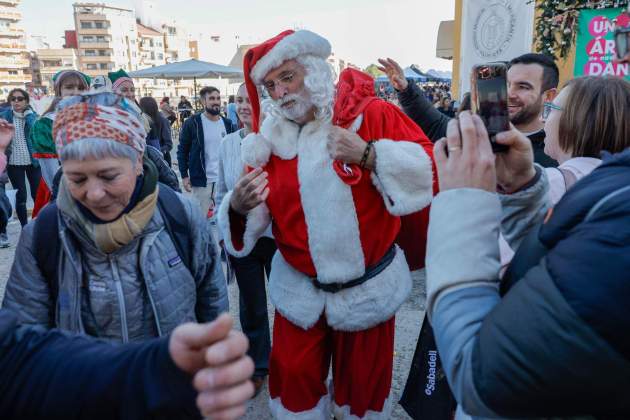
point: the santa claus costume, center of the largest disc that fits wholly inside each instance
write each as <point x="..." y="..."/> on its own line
<point x="338" y="278"/>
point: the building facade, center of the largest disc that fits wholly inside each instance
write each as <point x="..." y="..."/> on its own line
<point x="107" y="38"/>
<point x="53" y="60"/>
<point x="14" y="59"/>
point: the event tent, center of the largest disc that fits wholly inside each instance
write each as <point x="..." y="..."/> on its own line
<point x="189" y="69"/>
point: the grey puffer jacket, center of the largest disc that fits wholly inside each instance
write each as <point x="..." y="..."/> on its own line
<point x="141" y="291"/>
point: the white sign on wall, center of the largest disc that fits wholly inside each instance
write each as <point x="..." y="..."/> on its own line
<point x="493" y="30"/>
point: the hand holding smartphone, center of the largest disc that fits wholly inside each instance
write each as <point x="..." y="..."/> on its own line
<point x="489" y="99"/>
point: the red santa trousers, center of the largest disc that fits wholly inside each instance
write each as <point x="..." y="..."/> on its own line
<point x="362" y="364"/>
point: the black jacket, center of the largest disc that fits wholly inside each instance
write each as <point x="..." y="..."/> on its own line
<point x="54" y="375"/>
<point x="191" y="156"/>
<point x="434" y="123"/>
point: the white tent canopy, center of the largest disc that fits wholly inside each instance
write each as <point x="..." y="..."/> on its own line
<point x="189" y="69"/>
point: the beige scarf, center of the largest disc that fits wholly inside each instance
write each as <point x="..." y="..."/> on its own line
<point x="110" y="237"/>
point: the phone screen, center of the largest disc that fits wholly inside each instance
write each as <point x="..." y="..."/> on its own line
<point x="492" y="99"/>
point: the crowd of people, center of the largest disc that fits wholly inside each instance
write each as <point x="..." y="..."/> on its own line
<point x="325" y="198"/>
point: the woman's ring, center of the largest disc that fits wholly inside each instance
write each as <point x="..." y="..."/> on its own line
<point x="454" y="148"/>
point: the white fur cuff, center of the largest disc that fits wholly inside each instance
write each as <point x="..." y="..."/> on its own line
<point x="320" y="412"/>
<point x="343" y="412"/>
<point x="403" y="176"/>
<point x="256" y="223"/>
<point x="255" y="150"/>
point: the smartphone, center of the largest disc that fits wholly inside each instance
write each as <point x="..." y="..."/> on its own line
<point x="489" y="99"/>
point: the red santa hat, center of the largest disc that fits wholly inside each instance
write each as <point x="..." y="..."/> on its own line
<point x="269" y="55"/>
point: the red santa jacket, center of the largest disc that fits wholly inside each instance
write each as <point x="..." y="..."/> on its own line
<point x="331" y="230"/>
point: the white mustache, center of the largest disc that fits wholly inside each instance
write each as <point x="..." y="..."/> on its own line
<point x="291" y="97"/>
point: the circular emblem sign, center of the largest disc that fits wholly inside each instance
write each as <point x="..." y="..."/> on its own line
<point x="493" y="30"/>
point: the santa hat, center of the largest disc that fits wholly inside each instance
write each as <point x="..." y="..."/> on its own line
<point x="119" y="78"/>
<point x="260" y="60"/>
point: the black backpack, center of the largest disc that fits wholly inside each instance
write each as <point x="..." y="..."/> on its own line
<point x="46" y="231"/>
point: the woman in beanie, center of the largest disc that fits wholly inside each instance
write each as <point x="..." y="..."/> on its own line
<point x="66" y="83"/>
<point x="120" y="273"/>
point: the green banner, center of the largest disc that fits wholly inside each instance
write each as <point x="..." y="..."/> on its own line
<point x="595" y="44"/>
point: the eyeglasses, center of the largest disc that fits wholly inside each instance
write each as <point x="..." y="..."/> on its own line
<point x="17" y="98"/>
<point x="283" y="81"/>
<point x="548" y="107"/>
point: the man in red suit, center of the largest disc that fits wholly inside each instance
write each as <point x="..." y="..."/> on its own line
<point x="332" y="171"/>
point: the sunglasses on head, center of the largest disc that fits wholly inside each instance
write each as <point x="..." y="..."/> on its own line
<point x="17" y="98"/>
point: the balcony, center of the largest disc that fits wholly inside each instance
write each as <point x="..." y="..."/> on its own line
<point x="94" y="31"/>
<point x="95" y="45"/>
<point x="15" y="78"/>
<point x="10" y="2"/>
<point x="96" y="59"/>
<point x="12" y="32"/>
<point x="14" y="64"/>
<point x="10" y="15"/>
<point x="12" y="48"/>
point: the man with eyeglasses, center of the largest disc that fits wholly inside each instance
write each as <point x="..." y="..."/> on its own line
<point x="334" y="169"/>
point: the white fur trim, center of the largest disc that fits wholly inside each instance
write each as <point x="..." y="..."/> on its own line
<point x="298" y="43"/>
<point x="343" y="412"/>
<point x="293" y="294"/>
<point x="403" y="176"/>
<point x="320" y="412"/>
<point x="354" y="309"/>
<point x="283" y="136"/>
<point x="331" y="217"/>
<point x="375" y="301"/>
<point x="255" y="150"/>
<point x="257" y="222"/>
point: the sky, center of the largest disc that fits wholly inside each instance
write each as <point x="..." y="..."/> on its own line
<point x="360" y="31"/>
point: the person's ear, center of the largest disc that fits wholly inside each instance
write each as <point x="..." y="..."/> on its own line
<point x="550" y="94"/>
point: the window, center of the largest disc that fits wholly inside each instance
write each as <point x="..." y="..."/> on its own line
<point x="99" y="25"/>
<point x="90" y="53"/>
<point x="103" y="53"/>
<point x="87" y="38"/>
<point x="152" y="55"/>
<point x="91" y="66"/>
<point x="86" y="25"/>
<point x="13" y="72"/>
<point x="101" y="38"/>
<point x="104" y="66"/>
<point x="160" y="56"/>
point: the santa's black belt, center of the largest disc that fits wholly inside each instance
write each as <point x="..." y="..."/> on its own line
<point x="370" y="272"/>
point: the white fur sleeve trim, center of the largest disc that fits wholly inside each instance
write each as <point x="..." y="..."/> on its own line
<point x="255" y="150"/>
<point x="403" y="176"/>
<point x="257" y="222"/>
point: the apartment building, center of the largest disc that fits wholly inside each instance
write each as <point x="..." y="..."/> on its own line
<point x="53" y="60"/>
<point x="14" y="61"/>
<point x="107" y="38"/>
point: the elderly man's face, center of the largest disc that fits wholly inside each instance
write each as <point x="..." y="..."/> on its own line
<point x="284" y="80"/>
<point x="285" y="85"/>
<point x="103" y="186"/>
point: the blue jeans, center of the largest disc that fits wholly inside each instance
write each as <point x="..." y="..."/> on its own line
<point x="250" y="276"/>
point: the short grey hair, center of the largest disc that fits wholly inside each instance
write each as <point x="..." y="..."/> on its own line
<point x="98" y="148"/>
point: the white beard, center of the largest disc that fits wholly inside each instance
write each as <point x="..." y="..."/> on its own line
<point x="300" y="107"/>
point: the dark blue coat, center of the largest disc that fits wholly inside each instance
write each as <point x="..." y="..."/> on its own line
<point x="191" y="154"/>
<point x="55" y="375"/>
